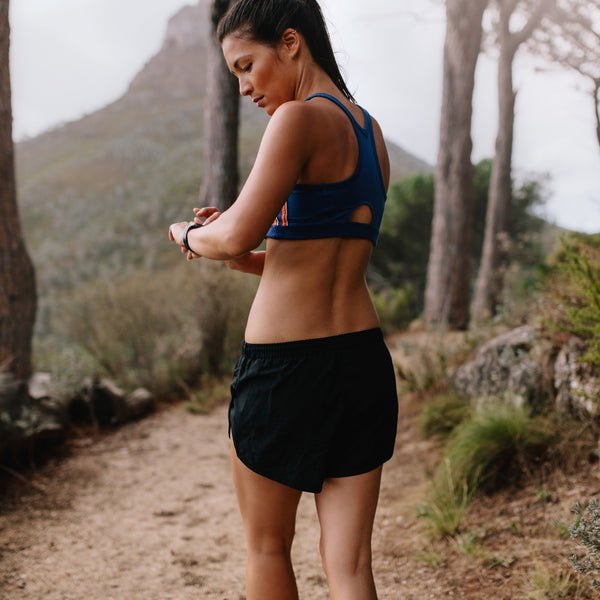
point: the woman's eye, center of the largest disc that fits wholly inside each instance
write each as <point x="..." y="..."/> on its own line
<point x="247" y="68"/>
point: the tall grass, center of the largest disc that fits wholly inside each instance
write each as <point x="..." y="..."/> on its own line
<point x="498" y="443"/>
<point x="494" y="446"/>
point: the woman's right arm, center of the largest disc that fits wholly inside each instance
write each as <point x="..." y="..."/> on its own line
<point x="252" y="262"/>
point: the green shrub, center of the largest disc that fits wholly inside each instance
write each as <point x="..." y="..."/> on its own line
<point x="395" y="307"/>
<point x="158" y="329"/>
<point x="446" y="502"/>
<point x="586" y="529"/>
<point x="575" y="291"/>
<point x="442" y="414"/>
<point x="497" y="443"/>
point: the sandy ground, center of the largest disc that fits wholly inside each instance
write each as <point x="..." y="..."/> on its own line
<point x="149" y="512"/>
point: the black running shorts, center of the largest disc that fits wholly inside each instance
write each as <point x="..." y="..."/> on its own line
<point x="307" y="410"/>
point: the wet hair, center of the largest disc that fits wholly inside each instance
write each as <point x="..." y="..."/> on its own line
<point x="264" y="21"/>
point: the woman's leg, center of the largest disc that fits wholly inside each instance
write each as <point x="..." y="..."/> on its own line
<point x="268" y="511"/>
<point x="346" y="508"/>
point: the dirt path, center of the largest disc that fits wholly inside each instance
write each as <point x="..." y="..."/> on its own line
<point x="149" y="512"/>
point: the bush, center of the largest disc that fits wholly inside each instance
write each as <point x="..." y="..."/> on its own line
<point x="575" y="292"/>
<point x="446" y="504"/>
<point x="497" y="443"/>
<point x="158" y="330"/>
<point x="395" y="307"/>
<point x="586" y="529"/>
<point x="443" y="414"/>
<point x="493" y="447"/>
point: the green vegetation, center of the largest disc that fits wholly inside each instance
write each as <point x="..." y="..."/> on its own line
<point x="586" y="530"/>
<point x="442" y="414"/>
<point x="575" y="291"/>
<point x="161" y="330"/>
<point x="400" y="259"/>
<point x="546" y="584"/>
<point x="489" y="447"/>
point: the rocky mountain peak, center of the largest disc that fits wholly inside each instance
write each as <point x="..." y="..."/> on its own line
<point x="178" y="70"/>
<point x="188" y="26"/>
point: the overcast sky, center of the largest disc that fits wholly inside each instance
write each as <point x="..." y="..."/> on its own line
<point x="71" y="57"/>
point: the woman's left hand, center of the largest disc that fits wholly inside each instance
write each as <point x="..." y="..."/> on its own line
<point x="176" y="231"/>
<point x="203" y="216"/>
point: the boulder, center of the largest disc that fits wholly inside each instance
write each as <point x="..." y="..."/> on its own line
<point x="102" y="402"/>
<point x="513" y="365"/>
<point x="137" y="405"/>
<point x="26" y="419"/>
<point x="577" y="383"/>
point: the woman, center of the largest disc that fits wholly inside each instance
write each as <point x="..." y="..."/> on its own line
<point x="314" y="405"/>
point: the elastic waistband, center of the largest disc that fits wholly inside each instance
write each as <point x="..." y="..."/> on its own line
<point x="344" y="341"/>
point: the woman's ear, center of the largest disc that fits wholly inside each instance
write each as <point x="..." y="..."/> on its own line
<point x="290" y="40"/>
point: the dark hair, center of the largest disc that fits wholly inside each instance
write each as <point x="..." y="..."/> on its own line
<point x="266" y="20"/>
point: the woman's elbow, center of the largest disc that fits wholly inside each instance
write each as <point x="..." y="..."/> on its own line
<point x="238" y="242"/>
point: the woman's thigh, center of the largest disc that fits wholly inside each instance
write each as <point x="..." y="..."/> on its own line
<point x="346" y="509"/>
<point x="268" y="509"/>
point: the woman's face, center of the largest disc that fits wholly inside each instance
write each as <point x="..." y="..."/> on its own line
<point x="261" y="71"/>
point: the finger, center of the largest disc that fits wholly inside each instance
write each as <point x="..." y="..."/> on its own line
<point x="212" y="218"/>
<point x="205" y="211"/>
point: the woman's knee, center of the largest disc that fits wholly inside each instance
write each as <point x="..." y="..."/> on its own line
<point x="345" y="560"/>
<point x="270" y="543"/>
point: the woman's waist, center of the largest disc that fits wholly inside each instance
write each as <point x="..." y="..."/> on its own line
<point x="276" y="318"/>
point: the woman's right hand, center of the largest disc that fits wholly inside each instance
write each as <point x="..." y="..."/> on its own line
<point x="206" y="214"/>
<point x="251" y="262"/>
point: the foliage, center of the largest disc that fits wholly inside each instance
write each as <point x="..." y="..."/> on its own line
<point x="157" y="330"/>
<point x="497" y="443"/>
<point x="493" y="447"/>
<point x="574" y="290"/>
<point x="446" y="503"/>
<point x="402" y="252"/>
<point x="586" y="529"/>
<point x="442" y="414"/>
<point x="395" y="307"/>
<point x="430" y="371"/>
<point x="211" y="392"/>
<point x="547" y="584"/>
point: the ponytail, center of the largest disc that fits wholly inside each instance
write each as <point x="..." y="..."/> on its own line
<point x="266" y="20"/>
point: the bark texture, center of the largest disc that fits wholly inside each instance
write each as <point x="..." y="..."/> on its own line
<point x="221" y="120"/>
<point x="447" y="292"/>
<point x="497" y="238"/>
<point x="18" y="299"/>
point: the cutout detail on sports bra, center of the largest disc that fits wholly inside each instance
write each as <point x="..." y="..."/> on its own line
<point x="362" y="214"/>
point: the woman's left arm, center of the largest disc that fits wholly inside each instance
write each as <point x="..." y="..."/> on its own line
<point x="284" y="150"/>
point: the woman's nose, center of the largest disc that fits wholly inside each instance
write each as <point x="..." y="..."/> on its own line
<point x="245" y="87"/>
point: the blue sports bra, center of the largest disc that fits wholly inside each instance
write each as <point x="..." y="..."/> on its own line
<point x="324" y="210"/>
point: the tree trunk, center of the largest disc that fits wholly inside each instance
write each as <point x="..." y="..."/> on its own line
<point x="221" y="118"/>
<point x="596" y="97"/>
<point x="18" y="300"/>
<point x="497" y="240"/>
<point x="449" y="270"/>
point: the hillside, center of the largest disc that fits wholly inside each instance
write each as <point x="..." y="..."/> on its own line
<point x="108" y="184"/>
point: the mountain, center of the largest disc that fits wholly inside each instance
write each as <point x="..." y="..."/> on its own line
<point x="95" y="193"/>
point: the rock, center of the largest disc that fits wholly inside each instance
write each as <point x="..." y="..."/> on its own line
<point x="577" y="383"/>
<point x="98" y="402"/>
<point x="101" y="402"/>
<point x="40" y="386"/>
<point x="515" y="365"/>
<point x="27" y="420"/>
<point x="137" y="405"/>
